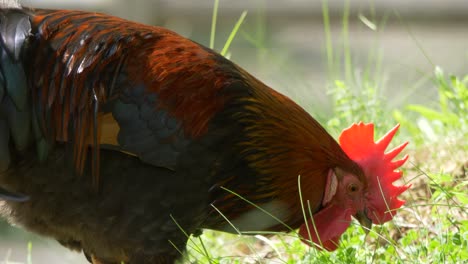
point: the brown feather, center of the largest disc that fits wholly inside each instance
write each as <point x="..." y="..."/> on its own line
<point x="109" y="129"/>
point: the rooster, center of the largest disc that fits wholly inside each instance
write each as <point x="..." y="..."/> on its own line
<point x="117" y="137"/>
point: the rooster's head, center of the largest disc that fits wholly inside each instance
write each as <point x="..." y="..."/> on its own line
<point x="371" y="197"/>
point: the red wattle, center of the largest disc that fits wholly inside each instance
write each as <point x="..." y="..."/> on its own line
<point x="330" y="222"/>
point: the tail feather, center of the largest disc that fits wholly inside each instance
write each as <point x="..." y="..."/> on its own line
<point x="19" y="122"/>
<point x="47" y="96"/>
<point x="15" y="27"/>
<point x="16" y="127"/>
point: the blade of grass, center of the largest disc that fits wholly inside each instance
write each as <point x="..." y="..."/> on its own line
<point x="328" y="38"/>
<point x="345" y="33"/>
<point x="251" y="248"/>
<point x="418" y="44"/>
<point x="305" y="214"/>
<point x="367" y="22"/>
<point x="259" y="208"/>
<point x="227" y="220"/>
<point x="233" y="33"/>
<point x="213" y="23"/>
<point x="29" y="258"/>
<point x="207" y="254"/>
<point x="197" y="249"/>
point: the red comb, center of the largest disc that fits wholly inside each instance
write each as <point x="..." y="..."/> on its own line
<point x="382" y="196"/>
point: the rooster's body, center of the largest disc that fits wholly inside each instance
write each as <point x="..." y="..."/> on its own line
<point x="115" y="135"/>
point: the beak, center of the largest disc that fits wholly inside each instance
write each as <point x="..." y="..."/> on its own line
<point x="365" y="222"/>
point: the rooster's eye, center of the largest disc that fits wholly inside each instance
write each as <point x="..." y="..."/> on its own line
<point x="352" y="188"/>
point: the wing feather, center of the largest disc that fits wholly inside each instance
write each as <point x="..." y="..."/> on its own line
<point x="104" y="82"/>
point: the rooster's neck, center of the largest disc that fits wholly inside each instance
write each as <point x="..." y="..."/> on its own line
<point x="278" y="144"/>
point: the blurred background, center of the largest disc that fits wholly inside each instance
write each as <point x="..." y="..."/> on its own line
<point x="396" y="43"/>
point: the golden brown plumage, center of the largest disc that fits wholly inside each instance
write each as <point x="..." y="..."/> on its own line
<point x="126" y="129"/>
